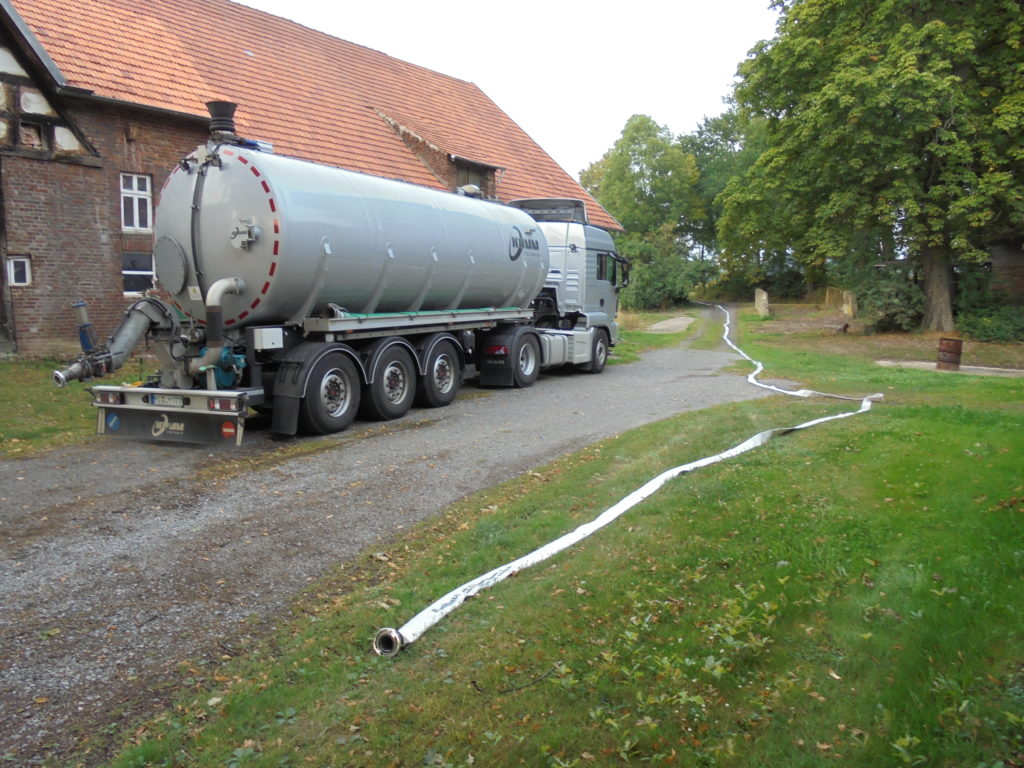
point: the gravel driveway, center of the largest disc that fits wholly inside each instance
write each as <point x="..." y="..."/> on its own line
<point x="116" y="562"/>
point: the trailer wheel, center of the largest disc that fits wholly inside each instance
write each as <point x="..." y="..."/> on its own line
<point x="598" y="352"/>
<point x="332" y="394"/>
<point x="443" y="374"/>
<point x="391" y="393"/>
<point x="525" y="360"/>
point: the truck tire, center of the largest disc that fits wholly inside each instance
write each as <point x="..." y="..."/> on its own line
<point x="393" y="387"/>
<point x="441" y="378"/>
<point x="598" y="352"/>
<point x="525" y="360"/>
<point x="331" y="397"/>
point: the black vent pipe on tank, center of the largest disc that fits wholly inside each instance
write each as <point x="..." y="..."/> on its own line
<point x="222" y="117"/>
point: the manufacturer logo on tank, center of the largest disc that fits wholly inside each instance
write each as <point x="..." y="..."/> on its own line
<point x="518" y="243"/>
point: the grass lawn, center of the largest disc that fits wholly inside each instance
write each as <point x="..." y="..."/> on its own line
<point x="848" y="595"/>
<point x="36" y="414"/>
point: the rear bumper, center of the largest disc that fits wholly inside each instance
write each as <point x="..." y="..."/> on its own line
<point x="181" y="416"/>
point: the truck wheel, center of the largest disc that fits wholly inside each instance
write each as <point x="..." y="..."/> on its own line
<point x="331" y="397"/>
<point x="525" y="360"/>
<point x="440" y="383"/>
<point x="394" y="385"/>
<point x="598" y="352"/>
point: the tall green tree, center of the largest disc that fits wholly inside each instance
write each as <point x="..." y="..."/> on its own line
<point x="724" y="147"/>
<point x="896" y="123"/>
<point x="646" y="181"/>
<point x="649" y="183"/>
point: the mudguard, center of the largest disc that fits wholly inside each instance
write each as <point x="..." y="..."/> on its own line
<point x="292" y="377"/>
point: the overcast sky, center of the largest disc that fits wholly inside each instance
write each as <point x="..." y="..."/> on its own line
<point x="569" y="73"/>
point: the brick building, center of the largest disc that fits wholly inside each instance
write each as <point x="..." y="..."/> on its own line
<point x="100" y="98"/>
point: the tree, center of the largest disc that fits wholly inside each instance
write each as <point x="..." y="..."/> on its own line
<point x="648" y="182"/>
<point x="724" y="147"/>
<point x="891" y="126"/>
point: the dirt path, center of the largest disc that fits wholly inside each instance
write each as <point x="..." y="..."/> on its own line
<point x="119" y="559"/>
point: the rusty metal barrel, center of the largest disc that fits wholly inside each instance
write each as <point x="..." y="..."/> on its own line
<point x="949" y="354"/>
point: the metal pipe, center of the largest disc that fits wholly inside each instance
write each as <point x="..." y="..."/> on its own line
<point x="78" y="370"/>
<point x="139" y="318"/>
<point x="215" y="295"/>
<point x="215" y="321"/>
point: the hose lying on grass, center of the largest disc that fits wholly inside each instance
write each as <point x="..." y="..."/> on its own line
<point x="389" y="642"/>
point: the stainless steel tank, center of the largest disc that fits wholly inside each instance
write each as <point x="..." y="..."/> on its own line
<point x="302" y="236"/>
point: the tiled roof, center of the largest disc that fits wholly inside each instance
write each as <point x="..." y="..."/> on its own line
<point x="309" y="94"/>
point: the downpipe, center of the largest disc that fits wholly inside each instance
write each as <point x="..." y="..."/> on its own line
<point x="98" y="360"/>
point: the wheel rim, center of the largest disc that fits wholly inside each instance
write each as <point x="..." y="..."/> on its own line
<point x="443" y="374"/>
<point x="527" y="359"/>
<point x="335" y="394"/>
<point x="396" y="383"/>
<point x="601" y="353"/>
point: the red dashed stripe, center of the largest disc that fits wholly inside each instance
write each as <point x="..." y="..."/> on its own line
<point x="276" y="246"/>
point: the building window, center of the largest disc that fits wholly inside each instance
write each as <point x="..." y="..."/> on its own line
<point x="136" y="202"/>
<point x="19" y="270"/>
<point x="137" y="272"/>
<point x="468" y="173"/>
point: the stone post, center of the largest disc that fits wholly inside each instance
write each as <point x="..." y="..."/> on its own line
<point x="761" y="303"/>
<point x="849" y="304"/>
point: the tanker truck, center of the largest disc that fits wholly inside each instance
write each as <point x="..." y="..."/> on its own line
<point x="316" y="294"/>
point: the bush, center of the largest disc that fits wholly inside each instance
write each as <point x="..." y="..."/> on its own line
<point x="999" y="324"/>
<point x="731" y="286"/>
<point x="786" y="283"/>
<point x="982" y="312"/>
<point x="663" y="282"/>
<point x="891" y="302"/>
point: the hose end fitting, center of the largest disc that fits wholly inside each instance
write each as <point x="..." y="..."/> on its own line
<point x="388" y="642"/>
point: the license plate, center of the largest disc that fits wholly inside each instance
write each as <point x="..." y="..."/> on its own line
<point x="172" y="400"/>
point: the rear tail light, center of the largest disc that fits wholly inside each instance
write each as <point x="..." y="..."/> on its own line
<point x="110" y="398"/>
<point x="496" y="350"/>
<point x="221" y="404"/>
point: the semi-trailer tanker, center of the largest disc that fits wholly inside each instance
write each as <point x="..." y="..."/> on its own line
<point x="316" y="294"/>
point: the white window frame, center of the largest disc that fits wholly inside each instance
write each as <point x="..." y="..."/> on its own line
<point x="137" y="272"/>
<point x="136" y="198"/>
<point x="13" y="262"/>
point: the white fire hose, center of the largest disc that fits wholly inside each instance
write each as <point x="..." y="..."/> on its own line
<point x="389" y="642"/>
